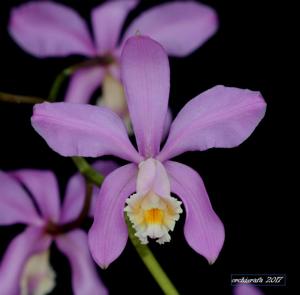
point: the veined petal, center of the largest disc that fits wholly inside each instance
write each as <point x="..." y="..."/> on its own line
<point x="107" y="20"/>
<point x="85" y="280"/>
<point x="76" y="190"/>
<point x="29" y="242"/>
<point x="49" y="29"/>
<point x="221" y="117"/>
<point x="181" y="27"/>
<point x="203" y="229"/>
<point x="146" y="78"/>
<point x="44" y="189"/>
<point x="246" y="289"/>
<point x="83" y="84"/>
<point x="108" y="234"/>
<point x="15" y="204"/>
<point x="83" y="130"/>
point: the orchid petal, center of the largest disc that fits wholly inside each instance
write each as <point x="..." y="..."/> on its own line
<point x="27" y="243"/>
<point x="83" y="84"/>
<point x="44" y="189"/>
<point x="85" y="280"/>
<point x="107" y="20"/>
<point x="246" y="289"/>
<point x="180" y="27"/>
<point x="15" y="204"/>
<point x="203" y="229"/>
<point x="76" y="191"/>
<point x="108" y="234"/>
<point x="83" y="130"/>
<point x="50" y="29"/>
<point x="220" y="117"/>
<point x="152" y="176"/>
<point x="146" y="78"/>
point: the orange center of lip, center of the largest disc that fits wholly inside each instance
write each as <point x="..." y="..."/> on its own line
<point x="154" y="216"/>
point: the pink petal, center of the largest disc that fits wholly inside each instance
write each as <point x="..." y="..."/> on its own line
<point x="85" y="280"/>
<point x="108" y="234"/>
<point x="15" y="204"/>
<point x="82" y="130"/>
<point x="203" y="229"/>
<point x="247" y="289"/>
<point x="50" y="29"/>
<point x="146" y="77"/>
<point x="181" y="27"/>
<point x="74" y="198"/>
<point x="220" y="117"/>
<point x="76" y="190"/>
<point x="105" y="167"/>
<point x="44" y="189"/>
<point x="107" y="20"/>
<point x="29" y="242"/>
<point x="152" y="176"/>
<point x="83" y="84"/>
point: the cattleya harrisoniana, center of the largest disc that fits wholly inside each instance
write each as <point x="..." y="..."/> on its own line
<point x="49" y="29"/>
<point x="25" y="268"/>
<point x="220" y="117"/>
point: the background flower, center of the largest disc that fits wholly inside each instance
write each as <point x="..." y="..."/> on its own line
<point x="49" y="29"/>
<point x="25" y="267"/>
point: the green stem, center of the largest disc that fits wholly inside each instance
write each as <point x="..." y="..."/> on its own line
<point x="88" y="171"/>
<point x="151" y="263"/>
<point x="57" y="84"/>
<point x="97" y="61"/>
<point x="12" y="98"/>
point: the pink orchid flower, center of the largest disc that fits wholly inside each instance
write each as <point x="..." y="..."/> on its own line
<point x="220" y="117"/>
<point x="48" y="29"/>
<point x="25" y="268"/>
<point x="246" y="289"/>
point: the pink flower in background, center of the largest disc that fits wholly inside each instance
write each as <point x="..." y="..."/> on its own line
<point x="48" y="29"/>
<point x="25" y="267"/>
<point x="246" y="289"/>
<point x="219" y="117"/>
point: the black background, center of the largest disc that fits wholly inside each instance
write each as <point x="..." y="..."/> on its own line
<point x="246" y="184"/>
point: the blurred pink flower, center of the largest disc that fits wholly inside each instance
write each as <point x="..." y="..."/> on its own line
<point x="49" y="29"/>
<point x="220" y="117"/>
<point x="246" y="289"/>
<point x="25" y="268"/>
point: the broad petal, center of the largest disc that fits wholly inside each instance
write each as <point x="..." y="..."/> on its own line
<point x="180" y="27"/>
<point x="27" y="243"/>
<point x="246" y="289"/>
<point x="76" y="190"/>
<point x="203" y="229"/>
<point x="15" y="204"/>
<point x="83" y="84"/>
<point x="83" y="130"/>
<point x="85" y="280"/>
<point x="221" y="117"/>
<point x="107" y="20"/>
<point x="108" y="234"/>
<point x="50" y="29"/>
<point x="44" y="189"/>
<point x="146" y="78"/>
